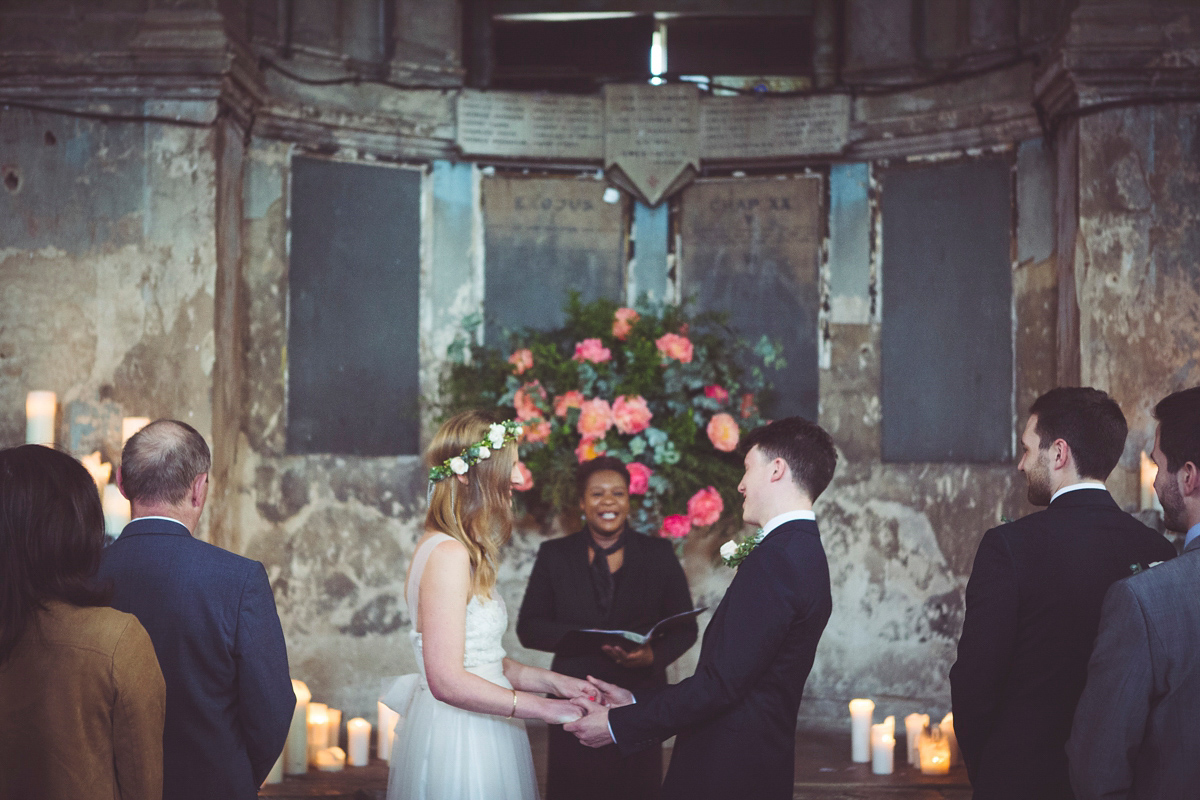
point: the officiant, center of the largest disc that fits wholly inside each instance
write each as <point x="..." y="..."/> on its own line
<point x="606" y="576"/>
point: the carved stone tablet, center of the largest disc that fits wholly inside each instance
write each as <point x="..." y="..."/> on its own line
<point x="518" y="124"/>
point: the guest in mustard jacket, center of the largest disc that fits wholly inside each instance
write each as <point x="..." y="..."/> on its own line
<point x="82" y="698"/>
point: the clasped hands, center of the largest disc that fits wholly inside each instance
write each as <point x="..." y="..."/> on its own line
<point x="592" y="728"/>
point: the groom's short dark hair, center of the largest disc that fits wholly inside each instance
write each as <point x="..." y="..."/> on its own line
<point x="1178" y="418"/>
<point x="805" y="446"/>
<point x="1089" y="421"/>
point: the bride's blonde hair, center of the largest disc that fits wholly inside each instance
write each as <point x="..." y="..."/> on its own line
<point x="479" y="513"/>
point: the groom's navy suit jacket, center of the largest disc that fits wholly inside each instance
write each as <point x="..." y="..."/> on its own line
<point x="211" y="616"/>
<point x="1033" y="609"/>
<point x="736" y="716"/>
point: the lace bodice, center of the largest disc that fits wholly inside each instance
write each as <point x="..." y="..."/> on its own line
<point x="487" y="620"/>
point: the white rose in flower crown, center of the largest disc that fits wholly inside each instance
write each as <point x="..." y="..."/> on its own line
<point x="728" y="549"/>
<point x="484" y="453"/>
<point x="496" y="435"/>
<point x="458" y="466"/>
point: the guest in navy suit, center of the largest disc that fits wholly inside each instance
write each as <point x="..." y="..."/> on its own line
<point x="735" y="718"/>
<point x="211" y="616"/>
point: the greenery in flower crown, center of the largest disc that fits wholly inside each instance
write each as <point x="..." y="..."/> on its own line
<point x="667" y="392"/>
<point x="499" y="434"/>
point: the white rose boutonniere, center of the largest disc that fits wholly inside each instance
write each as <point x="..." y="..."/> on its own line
<point x="734" y="553"/>
<point x="1134" y="569"/>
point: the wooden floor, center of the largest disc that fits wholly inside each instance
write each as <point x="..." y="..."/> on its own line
<point x="823" y="772"/>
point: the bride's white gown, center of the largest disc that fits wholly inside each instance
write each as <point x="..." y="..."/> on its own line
<point x="445" y="753"/>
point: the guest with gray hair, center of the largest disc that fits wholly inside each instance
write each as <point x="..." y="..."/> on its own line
<point x="211" y="616"/>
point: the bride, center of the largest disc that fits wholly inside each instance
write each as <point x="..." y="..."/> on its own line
<point x="461" y="737"/>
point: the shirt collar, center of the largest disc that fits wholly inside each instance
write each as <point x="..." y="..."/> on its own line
<point x="151" y="516"/>
<point x="1192" y="533"/>
<point x="1074" y="487"/>
<point x="787" y="516"/>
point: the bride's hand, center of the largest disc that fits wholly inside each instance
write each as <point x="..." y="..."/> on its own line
<point x="559" y="712"/>
<point x="569" y="688"/>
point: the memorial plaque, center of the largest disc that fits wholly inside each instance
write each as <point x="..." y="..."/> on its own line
<point x="768" y="127"/>
<point x="651" y="137"/>
<point x="519" y="124"/>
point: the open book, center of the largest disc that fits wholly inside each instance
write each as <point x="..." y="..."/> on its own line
<point x="585" y="641"/>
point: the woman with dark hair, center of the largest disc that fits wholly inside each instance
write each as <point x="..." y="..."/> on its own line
<point x="605" y="576"/>
<point x="81" y="695"/>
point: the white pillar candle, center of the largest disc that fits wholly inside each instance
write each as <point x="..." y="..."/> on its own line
<point x="387" y="730"/>
<point x="276" y="773"/>
<point x="295" y="760"/>
<point x="883" y="747"/>
<point x="318" y="730"/>
<point x="331" y="759"/>
<point x="358" y="742"/>
<point x="861" y="712"/>
<point x="130" y="426"/>
<point x="99" y="471"/>
<point x="335" y="727"/>
<point x="947" y="726"/>
<point x="116" y="510"/>
<point x="913" y="724"/>
<point x="40" y="411"/>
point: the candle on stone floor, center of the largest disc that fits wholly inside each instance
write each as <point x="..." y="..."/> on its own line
<point x="100" y="472"/>
<point x="1147" y="473"/>
<point x="130" y="426"/>
<point x="861" y="711"/>
<point x="335" y="727"/>
<point x="933" y="751"/>
<point x="116" y="510"/>
<point x="913" y="724"/>
<point x="387" y="720"/>
<point x="358" y="742"/>
<point x="40" y="410"/>
<point x="296" y="750"/>
<point x="883" y="747"/>
<point x="318" y="730"/>
<point x="331" y="759"/>
<point x="947" y="726"/>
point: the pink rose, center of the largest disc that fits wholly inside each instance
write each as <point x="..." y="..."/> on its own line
<point x="623" y="322"/>
<point x="672" y="345"/>
<point x="592" y="350"/>
<point x="588" y="449"/>
<point x="639" y="477"/>
<point x="536" y="430"/>
<point x="524" y="403"/>
<point x="716" y="392"/>
<point x="631" y="414"/>
<point x="705" y="507"/>
<point x="675" y="526"/>
<point x="595" y="418"/>
<point x="526" y="478"/>
<point x="747" y="407"/>
<point x="723" y="432"/>
<point x="521" y="360"/>
<point x="572" y="399"/>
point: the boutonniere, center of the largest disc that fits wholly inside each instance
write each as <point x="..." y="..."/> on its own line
<point x="1134" y="569"/>
<point x="734" y="553"/>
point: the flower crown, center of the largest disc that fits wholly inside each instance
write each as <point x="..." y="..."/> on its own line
<point x="499" y="434"/>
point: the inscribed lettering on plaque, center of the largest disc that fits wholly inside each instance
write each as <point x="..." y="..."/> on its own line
<point x="752" y="127"/>
<point x="651" y="137"/>
<point x="518" y="124"/>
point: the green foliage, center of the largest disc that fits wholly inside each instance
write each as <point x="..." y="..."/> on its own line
<point x="682" y="398"/>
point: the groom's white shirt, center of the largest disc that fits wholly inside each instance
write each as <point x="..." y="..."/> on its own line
<point x="1077" y="486"/>
<point x="772" y="524"/>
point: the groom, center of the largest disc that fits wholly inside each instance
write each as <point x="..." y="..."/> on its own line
<point x="735" y="718"/>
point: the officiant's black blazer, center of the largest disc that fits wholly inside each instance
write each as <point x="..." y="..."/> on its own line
<point x="735" y="718"/>
<point x="560" y="598"/>
<point x="1033" y="609"/>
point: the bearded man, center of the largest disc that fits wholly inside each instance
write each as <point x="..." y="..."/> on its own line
<point x="1034" y="599"/>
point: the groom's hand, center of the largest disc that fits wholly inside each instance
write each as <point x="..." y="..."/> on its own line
<point x="592" y="728"/>
<point x="611" y="695"/>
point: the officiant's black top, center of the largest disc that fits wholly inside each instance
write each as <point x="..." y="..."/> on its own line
<point x="1033" y="609"/>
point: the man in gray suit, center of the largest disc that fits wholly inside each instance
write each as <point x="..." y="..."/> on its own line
<point x="1134" y="733"/>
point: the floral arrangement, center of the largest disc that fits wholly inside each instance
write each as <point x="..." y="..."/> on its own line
<point x="668" y="393"/>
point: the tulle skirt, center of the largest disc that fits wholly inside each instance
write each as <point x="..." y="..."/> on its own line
<point x="445" y="753"/>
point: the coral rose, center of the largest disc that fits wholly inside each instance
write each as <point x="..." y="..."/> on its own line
<point x="715" y="392"/>
<point x="623" y="322"/>
<point x="587" y="450"/>
<point x="675" y="526"/>
<point x="639" y="477"/>
<point x="723" y="432"/>
<point x="592" y="350"/>
<point x="631" y="414"/>
<point x="536" y="430"/>
<point x="572" y="399"/>
<point x="526" y="478"/>
<point x="705" y="507"/>
<point x="524" y="403"/>
<point x="672" y="345"/>
<point x="521" y="360"/>
<point x="595" y="418"/>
